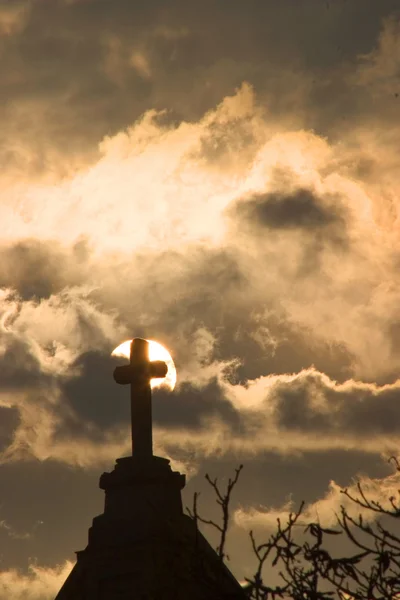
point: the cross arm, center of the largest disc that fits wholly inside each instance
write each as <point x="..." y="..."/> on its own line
<point x="128" y="374"/>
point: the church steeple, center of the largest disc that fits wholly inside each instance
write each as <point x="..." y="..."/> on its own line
<point x="143" y="546"/>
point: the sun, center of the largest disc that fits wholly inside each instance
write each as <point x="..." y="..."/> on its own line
<point x="156" y="352"/>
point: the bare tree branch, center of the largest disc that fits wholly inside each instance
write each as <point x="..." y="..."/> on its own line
<point x="298" y="552"/>
<point x="223" y="500"/>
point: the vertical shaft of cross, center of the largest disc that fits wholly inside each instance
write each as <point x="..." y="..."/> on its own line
<point x="141" y="414"/>
<point x="138" y="374"/>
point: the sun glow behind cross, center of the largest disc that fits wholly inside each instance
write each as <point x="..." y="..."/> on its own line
<point x="156" y="352"/>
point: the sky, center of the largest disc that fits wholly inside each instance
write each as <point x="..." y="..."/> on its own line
<point x="222" y="178"/>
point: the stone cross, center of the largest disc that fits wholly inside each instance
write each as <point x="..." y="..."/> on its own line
<point x="138" y="374"/>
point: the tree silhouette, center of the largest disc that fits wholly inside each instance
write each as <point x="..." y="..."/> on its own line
<point x="306" y="568"/>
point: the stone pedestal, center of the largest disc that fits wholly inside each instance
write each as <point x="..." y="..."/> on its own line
<point x="141" y="498"/>
<point x="143" y="546"/>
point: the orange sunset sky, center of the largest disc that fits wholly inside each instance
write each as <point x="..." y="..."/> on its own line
<point x="224" y="178"/>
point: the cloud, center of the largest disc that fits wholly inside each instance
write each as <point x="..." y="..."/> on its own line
<point x="250" y="243"/>
<point x="326" y="509"/>
<point x="187" y="408"/>
<point x="317" y="412"/>
<point x="288" y="414"/>
<point x="38" y="269"/>
<point x="40" y="341"/>
<point x="301" y="210"/>
<point x="228" y="235"/>
<point x="40" y="583"/>
<point x="136" y="57"/>
<point x="180" y="228"/>
<point x="305" y="412"/>
<point x="13" y="17"/>
<point x="53" y="330"/>
<point x="378" y="69"/>
<point x="16" y="535"/>
<point x="57" y="330"/>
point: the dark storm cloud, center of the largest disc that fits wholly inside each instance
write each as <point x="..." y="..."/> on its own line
<point x="190" y="407"/>
<point x="20" y="368"/>
<point x="280" y="347"/>
<point x="93" y="396"/>
<point x="368" y="412"/>
<point x="299" y="222"/>
<point x="9" y="421"/>
<point x="300" y="209"/>
<point x="308" y="404"/>
<point x="37" y="269"/>
<point x="89" y="69"/>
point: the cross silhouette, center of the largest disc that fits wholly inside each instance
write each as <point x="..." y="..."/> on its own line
<point x="138" y="374"/>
